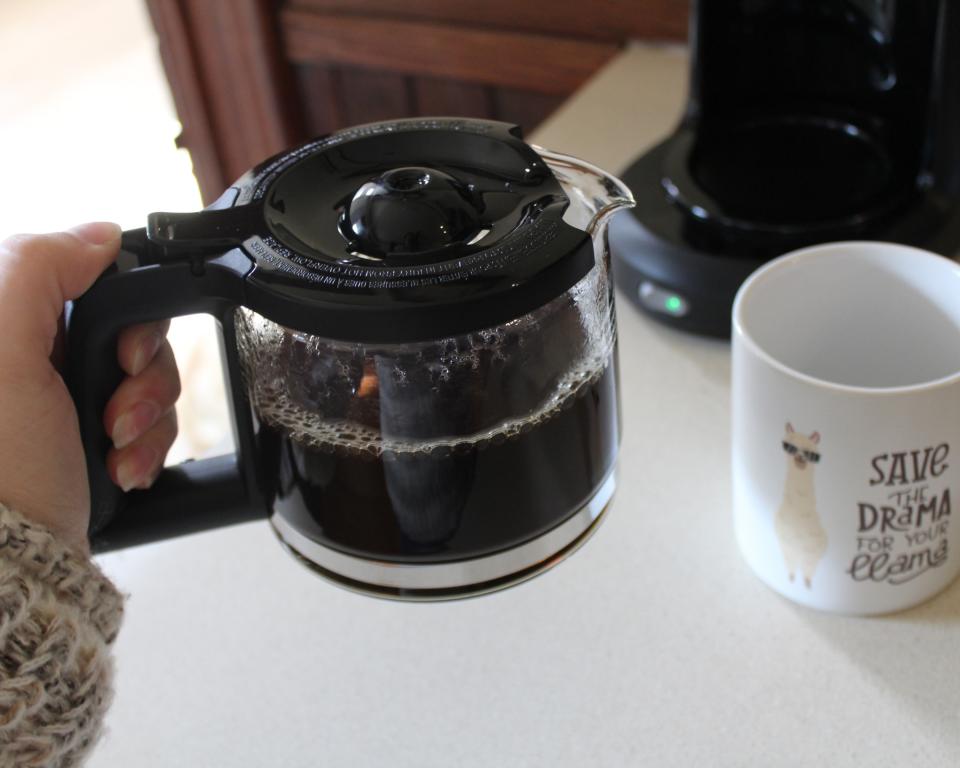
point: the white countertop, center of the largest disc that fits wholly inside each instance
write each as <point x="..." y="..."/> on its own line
<point x="654" y="645"/>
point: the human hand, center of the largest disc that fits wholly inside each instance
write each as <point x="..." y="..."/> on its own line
<point x="43" y="473"/>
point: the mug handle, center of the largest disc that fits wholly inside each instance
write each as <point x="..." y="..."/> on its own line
<point x="158" y="276"/>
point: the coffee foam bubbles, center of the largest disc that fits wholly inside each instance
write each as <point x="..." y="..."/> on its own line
<point x="327" y="434"/>
<point x="329" y="419"/>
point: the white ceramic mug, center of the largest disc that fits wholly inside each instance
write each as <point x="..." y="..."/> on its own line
<point x="846" y="425"/>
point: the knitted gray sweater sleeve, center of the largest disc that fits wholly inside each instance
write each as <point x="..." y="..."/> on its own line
<point x="58" y="617"/>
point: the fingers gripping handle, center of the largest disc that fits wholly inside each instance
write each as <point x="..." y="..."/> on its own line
<point x="136" y="289"/>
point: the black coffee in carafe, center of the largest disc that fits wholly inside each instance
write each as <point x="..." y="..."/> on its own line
<point x="453" y="448"/>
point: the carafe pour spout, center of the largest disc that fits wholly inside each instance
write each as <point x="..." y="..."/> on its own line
<point x="594" y="194"/>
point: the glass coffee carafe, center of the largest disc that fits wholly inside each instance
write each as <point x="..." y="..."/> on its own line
<point x="420" y="346"/>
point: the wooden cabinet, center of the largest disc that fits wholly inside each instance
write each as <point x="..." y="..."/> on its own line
<point x="252" y="77"/>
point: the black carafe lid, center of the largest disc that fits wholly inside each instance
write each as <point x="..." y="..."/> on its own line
<point x="393" y="232"/>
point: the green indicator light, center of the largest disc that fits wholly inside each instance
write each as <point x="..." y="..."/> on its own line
<point x="673" y="304"/>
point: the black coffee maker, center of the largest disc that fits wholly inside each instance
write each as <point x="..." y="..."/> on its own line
<point x="807" y="121"/>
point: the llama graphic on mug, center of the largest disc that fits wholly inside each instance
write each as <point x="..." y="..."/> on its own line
<point x="802" y="538"/>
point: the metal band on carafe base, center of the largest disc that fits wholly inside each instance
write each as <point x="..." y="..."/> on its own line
<point x="448" y="581"/>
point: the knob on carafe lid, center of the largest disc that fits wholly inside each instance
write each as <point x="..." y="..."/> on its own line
<point x="407" y="214"/>
<point x="407" y="230"/>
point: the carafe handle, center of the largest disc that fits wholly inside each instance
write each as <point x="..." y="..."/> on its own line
<point x="147" y="283"/>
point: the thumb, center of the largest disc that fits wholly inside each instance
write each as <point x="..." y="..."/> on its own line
<point x="80" y="255"/>
<point x="38" y="273"/>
